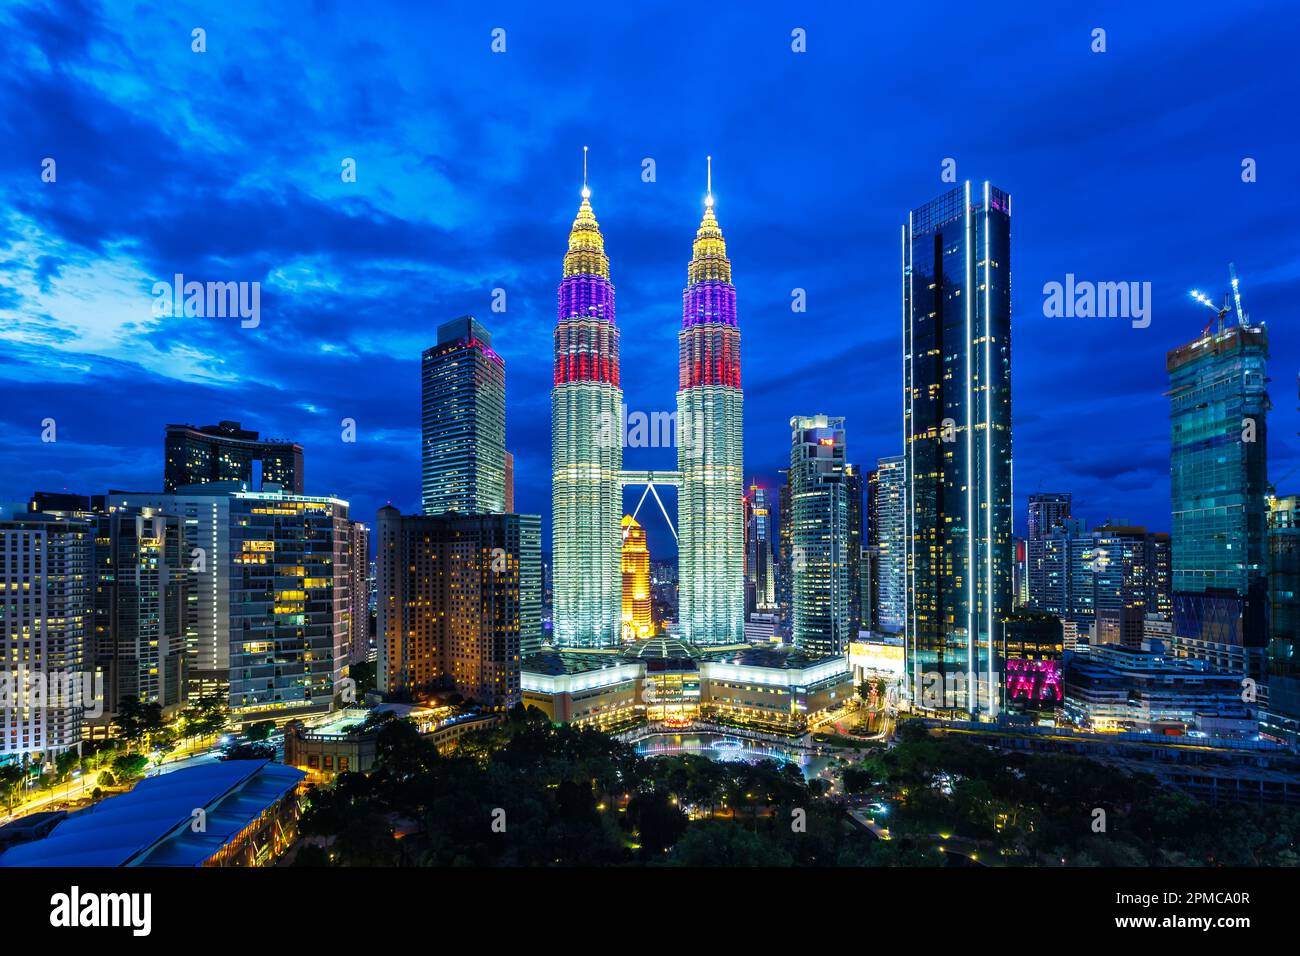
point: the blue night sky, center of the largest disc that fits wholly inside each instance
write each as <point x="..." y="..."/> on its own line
<point x="225" y="166"/>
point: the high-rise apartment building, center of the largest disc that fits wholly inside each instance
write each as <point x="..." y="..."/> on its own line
<point x="957" y="442"/>
<point x="359" y="591"/>
<point x="855" y="486"/>
<point x="455" y="601"/>
<point x="227" y="452"/>
<point x="271" y="576"/>
<point x="463" y="424"/>
<point x="142" y="619"/>
<point x="46" y="607"/>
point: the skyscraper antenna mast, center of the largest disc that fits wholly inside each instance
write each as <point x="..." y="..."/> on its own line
<point x="708" y="199"/>
<point x="585" y="191"/>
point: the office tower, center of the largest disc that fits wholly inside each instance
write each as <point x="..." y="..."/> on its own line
<point x="759" y="571"/>
<point x="226" y="452"/>
<point x="1020" y="573"/>
<point x="1218" y="484"/>
<point x="1281" y="719"/>
<point x="46" y="569"/>
<point x="453" y="602"/>
<point x="638" y="617"/>
<point x="885" y="521"/>
<point x="510" y="483"/>
<point x="820" y="535"/>
<point x="784" y="562"/>
<point x="586" y="445"/>
<point x="271" y="578"/>
<point x="957" y="443"/>
<point x="358" y="591"/>
<point x="463" y="424"/>
<point x="869" y="587"/>
<point x="854" y="490"/>
<point x="1046" y="511"/>
<point x="141" y="608"/>
<point x="710" y="447"/>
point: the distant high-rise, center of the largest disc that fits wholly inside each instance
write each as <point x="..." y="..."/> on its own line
<point x="819" y="534"/>
<point x="46" y="567"/>
<point x="1281" y="719"/>
<point x="463" y="432"/>
<point x="586" y="445"/>
<point x="638" y="617"/>
<point x="1218" y="407"/>
<point x="784" y="557"/>
<point x="454" y="601"/>
<point x="710" y="450"/>
<point x="359" y="591"/>
<point x="226" y="452"/>
<point x="855" y="492"/>
<point x="142" y="608"/>
<point x="1046" y="511"/>
<point x="957" y="440"/>
<point x="759" y="562"/>
<point x="885" y="529"/>
<point x="510" y="483"/>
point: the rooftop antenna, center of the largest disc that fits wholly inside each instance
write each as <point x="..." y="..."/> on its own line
<point x="708" y="199"/>
<point x="586" y="193"/>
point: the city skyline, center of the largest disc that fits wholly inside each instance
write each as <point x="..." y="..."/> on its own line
<point x="441" y="227"/>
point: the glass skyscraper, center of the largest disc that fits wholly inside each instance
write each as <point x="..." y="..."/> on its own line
<point x="885" y="490"/>
<point x="1218" y="405"/>
<point x="463" y="425"/>
<point x="819" y="533"/>
<point x="759" y="570"/>
<point x="957" y="438"/>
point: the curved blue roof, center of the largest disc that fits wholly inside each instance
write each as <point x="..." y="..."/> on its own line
<point x="151" y="825"/>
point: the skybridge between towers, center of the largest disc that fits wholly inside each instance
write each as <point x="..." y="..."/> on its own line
<point x="635" y="479"/>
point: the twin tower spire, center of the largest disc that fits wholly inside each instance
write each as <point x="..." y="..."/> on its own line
<point x="587" y="444"/>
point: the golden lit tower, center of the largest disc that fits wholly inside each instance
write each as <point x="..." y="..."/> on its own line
<point x="638" y="613"/>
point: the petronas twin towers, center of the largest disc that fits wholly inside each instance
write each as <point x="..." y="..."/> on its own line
<point x="587" y="446"/>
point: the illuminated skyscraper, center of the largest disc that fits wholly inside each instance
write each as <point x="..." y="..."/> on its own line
<point x="957" y="443"/>
<point x="638" y="616"/>
<point x="586" y="445"/>
<point x="710" y="447"/>
<point x="759" y="570"/>
<point x="463" y="426"/>
<point x="819" y="495"/>
<point x="885" y="533"/>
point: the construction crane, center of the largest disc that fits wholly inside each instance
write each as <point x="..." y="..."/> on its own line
<point x="1229" y="305"/>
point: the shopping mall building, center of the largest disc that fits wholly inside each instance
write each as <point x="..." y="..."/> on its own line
<point x="664" y="679"/>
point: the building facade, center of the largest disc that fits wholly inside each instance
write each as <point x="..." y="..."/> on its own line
<point x="957" y="440"/>
<point x="226" y="452"/>
<point x="819" y="499"/>
<point x="586" y="445"/>
<point x="463" y="423"/>
<point x="885" y="529"/>
<point x="760" y="576"/>
<point x="455" y="602"/>
<point x="638" y="612"/>
<point x="46" y="609"/>
<point x="710" y="447"/>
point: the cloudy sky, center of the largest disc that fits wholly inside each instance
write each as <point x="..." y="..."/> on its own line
<point x="225" y="165"/>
